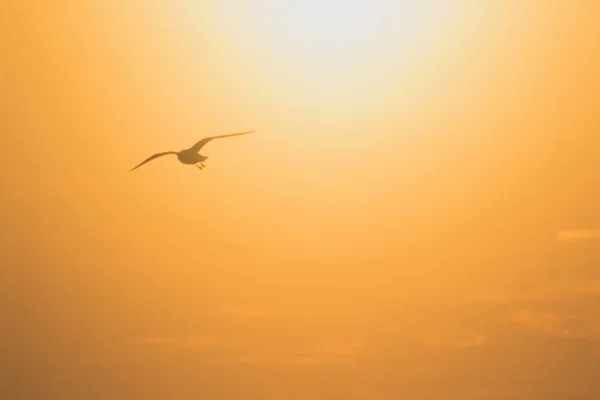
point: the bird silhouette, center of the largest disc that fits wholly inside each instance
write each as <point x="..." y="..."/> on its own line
<point x="190" y="156"/>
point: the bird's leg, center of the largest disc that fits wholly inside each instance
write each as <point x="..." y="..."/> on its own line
<point x="201" y="163"/>
<point x="201" y="168"/>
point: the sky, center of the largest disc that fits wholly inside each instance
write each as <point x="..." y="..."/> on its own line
<point x="415" y="218"/>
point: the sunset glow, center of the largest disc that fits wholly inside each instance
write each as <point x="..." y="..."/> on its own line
<point x="414" y="216"/>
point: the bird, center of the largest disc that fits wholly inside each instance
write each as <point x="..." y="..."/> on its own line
<point x="191" y="156"/>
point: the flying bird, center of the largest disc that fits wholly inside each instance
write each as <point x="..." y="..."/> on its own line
<point x="191" y="155"/>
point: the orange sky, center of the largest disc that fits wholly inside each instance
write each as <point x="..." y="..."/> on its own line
<point x="416" y="216"/>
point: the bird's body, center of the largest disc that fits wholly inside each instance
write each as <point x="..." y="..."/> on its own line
<point x="190" y="156"/>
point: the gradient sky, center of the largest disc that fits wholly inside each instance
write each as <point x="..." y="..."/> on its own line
<point x="417" y="216"/>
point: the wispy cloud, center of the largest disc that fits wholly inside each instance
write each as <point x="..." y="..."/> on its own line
<point x="157" y="340"/>
<point x="185" y="341"/>
<point x="578" y="235"/>
<point x="453" y="339"/>
<point x="242" y="311"/>
<point x="546" y="322"/>
<point x="550" y="293"/>
<point x="240" y="353"/>
<point x="558" y="324"/>
<point x="325" y="353"/>
<point x="321" y="353"/>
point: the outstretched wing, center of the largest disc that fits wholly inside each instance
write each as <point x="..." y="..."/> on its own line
<point x="152" y="158"/>
<point x="196" y="148"/>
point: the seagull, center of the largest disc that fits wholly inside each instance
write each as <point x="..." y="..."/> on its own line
<point x="191" y="155"/>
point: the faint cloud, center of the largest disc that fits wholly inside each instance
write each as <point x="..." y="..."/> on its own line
<point x="155" y="340"/>
<point x="199" y="341"/>
<point x="474" y="339"/>
<point x="242" y="311"/>
<point x="194" y="341"/>
<point x="323" y="353"/>
<point x="572" y="326"/>
<point x="328" y="353"/>
<point x="588" y="287"/>
<point x="500" y="298"/>
<point x="234" y="352"/>
<point x="550" y="293"/>
<point x="316" y="359"/>
<point x="453" y="339"/>
<point x="545" y="322"/>
<point x="342" y="348"/>
<point x="578" y="235"/>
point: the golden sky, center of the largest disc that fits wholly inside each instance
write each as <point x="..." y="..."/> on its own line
<point x="416" y="217"/>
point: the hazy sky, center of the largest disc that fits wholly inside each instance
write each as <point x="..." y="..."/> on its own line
<point x="417" y="216"/>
